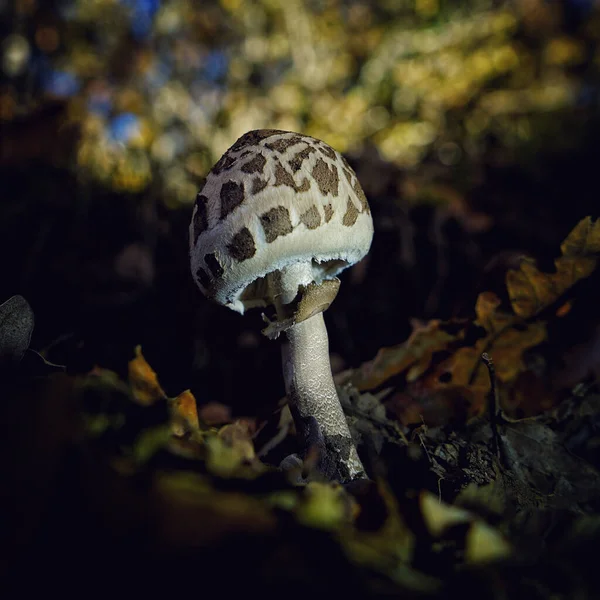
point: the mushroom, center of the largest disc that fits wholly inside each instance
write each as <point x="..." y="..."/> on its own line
<point x="280" y="215"/>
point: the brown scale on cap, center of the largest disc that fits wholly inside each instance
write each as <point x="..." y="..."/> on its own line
<point x="252" y="138"/>
<point x="232" y="195"/>
<point x="225" y="162"/>
<point x="242" y="246"/>
<point x="361" y="196"/>
<point x="258" y="185"/>
<point x="327" y="151"/>
<point x="200" y="217"/>
<point x="326" y="177"/>
<point x="296" y="162"/>
<point x="282" y="177"/>
<point x="353" y="181"/>
<point x="276" y="222"/>
<point x="203" y="277"/>
<point x="255" y="165"/>
<point x="350" y="215"/>
<point x="213" y="265"/>
<point x="282" y="144"/>
<point x="311" y="218"/>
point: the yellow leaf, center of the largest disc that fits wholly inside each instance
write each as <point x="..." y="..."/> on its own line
<point x="484" y="544"/>
<point x="487" y="314"/>
<point x="323" y="505"/>
<point x="222" y="459"/>
<point x="184" y="413"/>
<point x="143" y="380"/>
<point x="439" y="516"/>
<point x="584" y="240"/>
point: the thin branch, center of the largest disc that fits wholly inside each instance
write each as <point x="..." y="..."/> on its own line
<point x="493" y="403"/>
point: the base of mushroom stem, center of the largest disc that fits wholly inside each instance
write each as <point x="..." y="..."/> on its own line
<point x="331" y="456"/>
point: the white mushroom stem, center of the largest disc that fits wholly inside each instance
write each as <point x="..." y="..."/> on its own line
<point x="310" y="387"/>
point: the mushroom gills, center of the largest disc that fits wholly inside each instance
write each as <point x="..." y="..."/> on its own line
<point x="254" y="294"/>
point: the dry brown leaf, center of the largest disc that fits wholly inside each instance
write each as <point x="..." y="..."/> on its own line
<point x="506" y="341"/>
<point x="530" y="290"/>
<point x="436" y="384"/>
<point x="413" y="356"/>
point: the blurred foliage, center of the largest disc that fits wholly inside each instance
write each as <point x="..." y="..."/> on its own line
<point x="158" y="90"/>
<point x="208" y="483"/>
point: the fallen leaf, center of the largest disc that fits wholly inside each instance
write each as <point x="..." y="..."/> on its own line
<point x="482" y="542"/>
<point x="506" y="339"/>
<point x="414" y="354"/>
<point x="325" y="506"/>
<point x="441" y="363"/>
<point x="439" y="516"/>
<point x="143" y="380"/>
<point x="238" y="435"/>
<point x="485" y="544"/>
<point x="231" y="451"/>
<point x="150" y="441"/>
<point x="531" y="290"/>
<point x="184" y="413"/>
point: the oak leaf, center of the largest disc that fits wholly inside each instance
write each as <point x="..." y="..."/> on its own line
<point x="506" y="339"/>
<point x="531" y="290"/>
<point x="444" y="359"/>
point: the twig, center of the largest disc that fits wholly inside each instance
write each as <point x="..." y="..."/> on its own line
<point x="493" y="403"/>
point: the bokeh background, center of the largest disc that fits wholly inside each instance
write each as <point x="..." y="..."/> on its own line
<point x="473" y="127"/>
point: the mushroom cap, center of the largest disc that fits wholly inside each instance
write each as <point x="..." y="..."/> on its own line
<point x="275" y="198"/>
